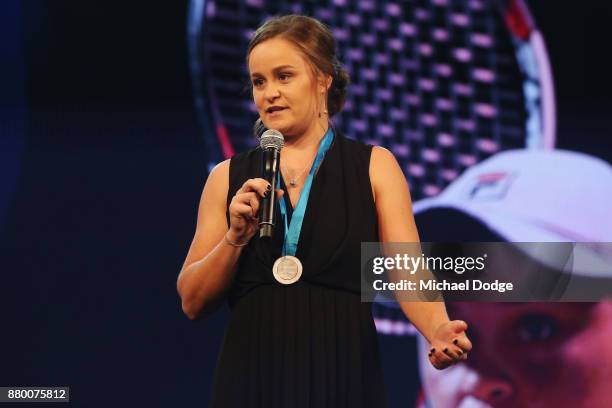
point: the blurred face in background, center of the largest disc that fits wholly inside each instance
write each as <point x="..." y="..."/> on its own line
<point x="285" y="90"/>
<point x="528" y="355"/>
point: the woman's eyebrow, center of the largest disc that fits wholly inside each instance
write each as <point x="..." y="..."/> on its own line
<point x="276" y="69"/>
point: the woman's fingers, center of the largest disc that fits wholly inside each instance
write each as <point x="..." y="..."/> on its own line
<point x="258" y="185"/>
<point x="463" y="342"/>
<point x="245" y="205"/>
<point x="254" y="204"/>
<point x="245" y="211"/>
<point x="451" y="346"/>
<point x="453" y="352"/>
<point x="446" y="357"/>
<point x="439" y="359"/>
<point x="458" y="326"/>
<point x="246" y="202"/>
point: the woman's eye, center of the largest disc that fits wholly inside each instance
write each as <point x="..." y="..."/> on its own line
<point x="537" y="328"/>
<point x="257" y="82"/>
<point x="284" y="77"/>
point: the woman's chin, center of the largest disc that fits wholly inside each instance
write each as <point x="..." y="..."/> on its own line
<point x="279" y="125"/>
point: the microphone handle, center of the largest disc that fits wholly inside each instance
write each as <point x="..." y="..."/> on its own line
<point x="270" y="162"/>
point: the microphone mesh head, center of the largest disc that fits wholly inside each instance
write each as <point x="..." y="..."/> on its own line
<point x="272" y="138"/>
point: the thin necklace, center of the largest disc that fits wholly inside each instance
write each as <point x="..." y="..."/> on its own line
<point x="293" y="180"/>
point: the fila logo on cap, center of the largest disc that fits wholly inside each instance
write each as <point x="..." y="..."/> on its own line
<point x="491" y="186"/>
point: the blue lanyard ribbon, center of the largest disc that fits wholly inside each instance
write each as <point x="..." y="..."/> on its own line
<point x="292" y="232"/>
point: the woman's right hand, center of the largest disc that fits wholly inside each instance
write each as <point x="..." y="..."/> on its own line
<point x="244" y="209"/>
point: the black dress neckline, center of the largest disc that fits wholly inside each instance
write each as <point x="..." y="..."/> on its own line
<point x="284" y="185"/>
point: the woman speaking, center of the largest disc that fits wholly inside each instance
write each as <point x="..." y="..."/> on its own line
<point x="312" y="342"/>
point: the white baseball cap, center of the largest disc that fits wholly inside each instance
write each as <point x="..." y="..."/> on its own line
<point x="537" y="196"/>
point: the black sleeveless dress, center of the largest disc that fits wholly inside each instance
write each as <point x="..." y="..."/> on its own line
<point x="312" y="343"/>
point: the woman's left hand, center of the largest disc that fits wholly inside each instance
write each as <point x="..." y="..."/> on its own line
<point x="449" y="344"/>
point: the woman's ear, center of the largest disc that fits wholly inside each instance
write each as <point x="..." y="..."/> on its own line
<point x="328" y="80"/>
<point x="325" y="83"/>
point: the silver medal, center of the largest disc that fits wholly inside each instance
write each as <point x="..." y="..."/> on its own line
<point x="287" y="269"/>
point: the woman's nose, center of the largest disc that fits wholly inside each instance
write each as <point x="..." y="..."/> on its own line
<point x="493" y="391"/>
<point x="272" y="92"/>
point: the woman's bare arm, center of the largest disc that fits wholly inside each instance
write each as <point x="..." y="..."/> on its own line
<point x="396" y="224"/>
<point x="211" y="262"/>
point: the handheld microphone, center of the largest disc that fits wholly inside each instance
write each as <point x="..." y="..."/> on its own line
<point x="271" y="142"/>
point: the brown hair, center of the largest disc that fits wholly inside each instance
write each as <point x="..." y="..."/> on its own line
<point x="316" y="43"/>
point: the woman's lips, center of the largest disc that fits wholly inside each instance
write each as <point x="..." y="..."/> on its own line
<point x="276" y="111"/>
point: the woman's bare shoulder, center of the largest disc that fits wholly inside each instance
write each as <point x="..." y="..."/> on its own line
<point x="222" y="167"/>
<point x="384" y="171"/>
<point x="382" y="155"/>
<point x="219" y="175"/>
<point x="217" y="185"/>
<point x="383" y="163"/>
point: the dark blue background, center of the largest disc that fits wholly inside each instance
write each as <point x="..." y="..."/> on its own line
<point x="101" y="208"/>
